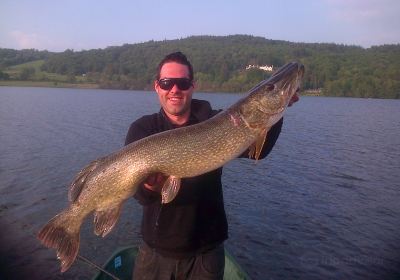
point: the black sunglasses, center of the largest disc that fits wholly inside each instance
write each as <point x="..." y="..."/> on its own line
<point x="168" y="83"/>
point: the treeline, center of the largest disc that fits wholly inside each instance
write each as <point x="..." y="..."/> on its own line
<point x="10" y="57"/>
<point x="220" y="64"/>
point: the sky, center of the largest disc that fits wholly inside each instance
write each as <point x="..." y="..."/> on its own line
<point x="57" y="25"/>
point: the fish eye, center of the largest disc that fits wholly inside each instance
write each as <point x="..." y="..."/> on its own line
<point x="271" y="87"/>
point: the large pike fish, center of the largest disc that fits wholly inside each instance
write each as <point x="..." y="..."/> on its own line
<point x="104" y="185"/>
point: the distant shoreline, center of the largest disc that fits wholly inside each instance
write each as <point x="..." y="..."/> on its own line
<point x="48" y="84"/>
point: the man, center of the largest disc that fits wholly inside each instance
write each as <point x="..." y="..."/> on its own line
<point x="183" y="239"/>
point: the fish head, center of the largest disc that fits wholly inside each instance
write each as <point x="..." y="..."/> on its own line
<point x="272" y="96"/>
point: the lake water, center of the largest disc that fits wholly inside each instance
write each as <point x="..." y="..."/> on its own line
<point x="324" y="205"/>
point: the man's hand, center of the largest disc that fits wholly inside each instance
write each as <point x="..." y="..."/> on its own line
<point x="294" y="98"/>
<point x="155" y="182"/>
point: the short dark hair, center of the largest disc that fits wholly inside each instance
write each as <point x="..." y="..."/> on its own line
<point x="177" y="57"/>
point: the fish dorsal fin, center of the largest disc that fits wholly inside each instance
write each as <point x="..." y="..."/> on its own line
<point x="105" y="220"/>
<point x="79" y="181"/>
<point x="170" y="189"/>
<point x="256" y="148"/>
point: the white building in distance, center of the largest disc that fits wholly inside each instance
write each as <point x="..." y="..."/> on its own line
<point x="266" y="68"/>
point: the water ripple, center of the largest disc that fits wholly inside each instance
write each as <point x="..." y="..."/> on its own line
<point x="324" y="204"/>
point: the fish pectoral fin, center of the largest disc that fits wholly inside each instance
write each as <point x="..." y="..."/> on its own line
<point x="105" y="220"/>
<point x="170" y="189"/>
<point x="256" y="148"/>
<point x="252" y="150"/>
<point x="79" y="181"/>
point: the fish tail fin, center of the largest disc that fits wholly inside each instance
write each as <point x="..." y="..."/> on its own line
<point x="62" y="234"/>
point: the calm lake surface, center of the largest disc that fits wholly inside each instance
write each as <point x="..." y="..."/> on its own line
<point x="325" y="204"/>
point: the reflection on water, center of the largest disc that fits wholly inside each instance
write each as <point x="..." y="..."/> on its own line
<point x="323" y="205"/>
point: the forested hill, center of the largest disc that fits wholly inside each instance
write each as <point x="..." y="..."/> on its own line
<point x="220" y="64"/>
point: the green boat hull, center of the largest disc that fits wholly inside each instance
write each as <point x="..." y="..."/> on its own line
<point x="121" y="265"/>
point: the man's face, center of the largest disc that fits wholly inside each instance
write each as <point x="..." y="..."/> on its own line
<point x="175" y="102"/>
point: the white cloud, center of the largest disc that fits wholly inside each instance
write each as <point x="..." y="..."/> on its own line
<point x="352" y="11"/>
<point x="18" y="39"/>
<point x="24" y="40"/>
<point x="365" y="11"/>
<point x="366" y="22"/>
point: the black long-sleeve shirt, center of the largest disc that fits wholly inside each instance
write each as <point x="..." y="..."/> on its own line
<point x="195" y="220"/>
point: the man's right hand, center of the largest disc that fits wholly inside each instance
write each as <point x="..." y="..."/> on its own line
<point x="155" y="182"/>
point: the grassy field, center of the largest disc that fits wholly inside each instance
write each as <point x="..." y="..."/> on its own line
<point x="47" y="84"/>
<point x="41" y="78"/>
<point x="15" y="71"/>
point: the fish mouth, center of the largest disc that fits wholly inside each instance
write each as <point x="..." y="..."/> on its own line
<point x="287" y="80"/>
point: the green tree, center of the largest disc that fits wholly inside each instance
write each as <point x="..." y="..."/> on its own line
<point x="27" y="73"/>
<point x="219" y="62"/>
<point x="4" y="76"/>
